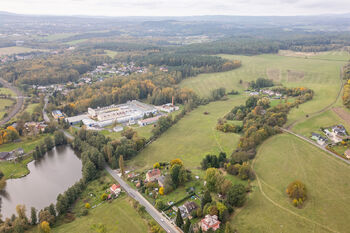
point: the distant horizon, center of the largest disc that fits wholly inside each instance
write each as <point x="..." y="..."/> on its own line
<point x="174" y="16"/>
<point x="175" y="8"/>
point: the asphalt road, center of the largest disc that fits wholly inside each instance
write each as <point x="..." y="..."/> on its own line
<point x="19" y="103"/>
<point x="46" y="117"/>
<point x="163" y="222"/>
<point x="315" y="144"/>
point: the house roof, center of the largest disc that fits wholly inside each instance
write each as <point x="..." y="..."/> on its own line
<point x="190" y="206"/>
<point x="347" y="152"/>
<point x="3" y="155"/>
<point x="210" y="221"/>
<point x="115" y="187"/>
<point x="154" y="172"/>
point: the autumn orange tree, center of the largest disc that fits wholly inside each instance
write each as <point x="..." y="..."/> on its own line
<point x="297" y="192"/>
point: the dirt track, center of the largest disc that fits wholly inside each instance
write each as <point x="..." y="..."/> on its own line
<point x="342" y="113"/>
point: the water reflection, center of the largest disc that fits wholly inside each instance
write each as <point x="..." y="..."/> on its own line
<point x="59" y="169"/>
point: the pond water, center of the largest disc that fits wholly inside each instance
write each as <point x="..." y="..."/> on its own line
<point x="52" y="175"/>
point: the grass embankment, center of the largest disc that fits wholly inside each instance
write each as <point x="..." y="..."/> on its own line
<point x="13" y="169"/>
<point x="320" y="73"/>
<point x="281" y="160"/>
<point x="192" y="137"/>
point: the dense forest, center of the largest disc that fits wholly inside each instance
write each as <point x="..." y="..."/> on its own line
<point x="51" y="69"/>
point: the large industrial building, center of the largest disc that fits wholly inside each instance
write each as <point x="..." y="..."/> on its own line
<point x="130" y="111"/>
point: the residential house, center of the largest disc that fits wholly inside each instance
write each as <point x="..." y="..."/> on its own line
<point x="339" y="130"/>
<point x="4" y="155"/>
<point x="115" y="189"/>
<point x="210" y="222"/>
<point x="153" y="175"/>
<point x="347" y="153"/>
<point x="190" y="206"/>
<point x="161" y="181"/>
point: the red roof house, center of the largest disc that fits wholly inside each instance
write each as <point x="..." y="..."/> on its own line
<point x="115" y="189"/>
<point x="210" y="222"/>
<point x="153" y="175"/>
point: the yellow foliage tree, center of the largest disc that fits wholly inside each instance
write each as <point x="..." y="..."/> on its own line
<point x="161" y="190"/>
<point x="45" y="227"/>
<point x="87" y="206"/>
<point x="156" y="165"/>
<point x="176" y="161"/>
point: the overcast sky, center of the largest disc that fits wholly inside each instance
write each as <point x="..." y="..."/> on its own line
<point x="175" y="7"/>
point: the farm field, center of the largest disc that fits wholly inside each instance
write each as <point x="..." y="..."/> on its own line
<point x="118" y="216"/>
<point x="321" y="73"/>
<point x="192" y="137"/>
<point x="281" y="160"/>
<point x="15" y="50"/>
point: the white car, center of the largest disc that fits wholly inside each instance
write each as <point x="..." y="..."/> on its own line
<point x="162" y="220"/>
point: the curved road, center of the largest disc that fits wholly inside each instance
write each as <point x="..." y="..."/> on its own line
<point x="19" y="103"/>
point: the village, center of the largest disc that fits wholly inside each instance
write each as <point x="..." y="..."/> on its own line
<point x="184" y="200"/>
<point x="335" y="139"/>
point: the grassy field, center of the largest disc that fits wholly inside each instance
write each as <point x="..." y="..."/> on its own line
<point x="118" y="216"/>
<point x="111" y="53"/>
<point x="192" y="137"/>
<point x="281" y="160"/>
<point x="321" y="73"/>
<point x="7" y="91"/>
<point x="15" y="50"/>
<point x="5" y="103"/>
<point x="15" y="170"/>
<point x="325" y="119"/>
<point x="28" y="144"/>
<point x="145" y="131"/>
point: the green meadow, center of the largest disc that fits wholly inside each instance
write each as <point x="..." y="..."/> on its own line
<point x="192" y="137"/>
<point x="281" y="160"/>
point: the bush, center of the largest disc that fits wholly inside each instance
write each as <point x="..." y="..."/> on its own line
<point x="297" y="192"/>
<point x="104" y="196"/>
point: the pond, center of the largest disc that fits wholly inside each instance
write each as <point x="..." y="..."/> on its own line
<point x="52" y="175"/>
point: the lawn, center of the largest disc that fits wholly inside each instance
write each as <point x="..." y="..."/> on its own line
<point x="281" y="160"/>
<point x="4" y="104"/>
<point x="30" y="108"/>
<point x="15" y="170"/>
<point x="321" y="73"/>
<point x="28" y="144"/>
<point x="111" y="53"/>
<point x="145" y="131"/>
<point x="7" y="91"/>
<point x="15" y="50"/>
<point x="325" y="119"/>
<point x="192" y="137"/>
<point x="118" y="216"/>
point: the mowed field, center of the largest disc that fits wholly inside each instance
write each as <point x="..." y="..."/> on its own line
<point x="15" y="50"/>
<point x="192" y="137"/>
<point x="281" y="160"/>
<point x="321" y="73"/>
<point x="118" y="216"/>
